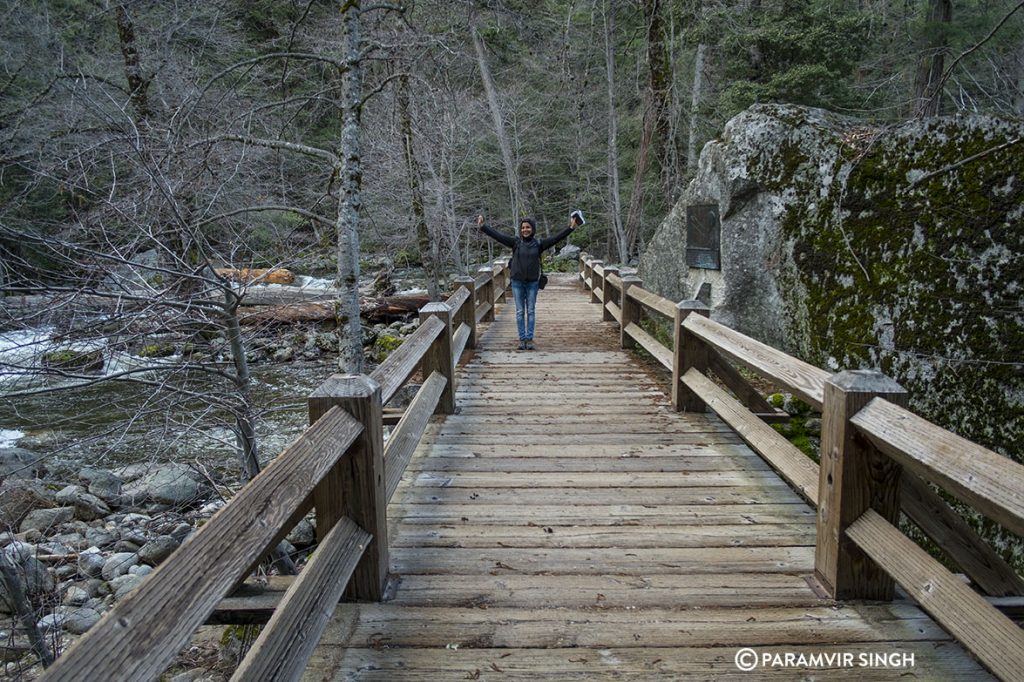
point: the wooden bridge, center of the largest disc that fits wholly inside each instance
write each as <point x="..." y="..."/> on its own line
<point x="582" y="511"/>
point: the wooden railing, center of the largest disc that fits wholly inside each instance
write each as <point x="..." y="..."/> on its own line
<point x="338" y="467"/>
<point x="877" y="459"/>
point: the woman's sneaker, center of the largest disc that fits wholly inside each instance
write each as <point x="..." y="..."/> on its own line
<point x="522" y="344"/>
<point x="529" y="344"/>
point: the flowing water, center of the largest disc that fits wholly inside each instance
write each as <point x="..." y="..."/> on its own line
<point x="111" y="423"/>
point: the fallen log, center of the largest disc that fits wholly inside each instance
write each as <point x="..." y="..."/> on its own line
<point x="374" y="311"/>
<point x="258" y="275"/>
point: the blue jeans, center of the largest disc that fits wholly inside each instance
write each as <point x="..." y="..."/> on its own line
<point x="525" y="294"/>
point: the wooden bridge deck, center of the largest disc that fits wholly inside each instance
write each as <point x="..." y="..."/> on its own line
<point x="566" y="524"/>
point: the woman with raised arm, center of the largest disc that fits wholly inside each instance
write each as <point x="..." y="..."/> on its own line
<point x="525" y="269"/>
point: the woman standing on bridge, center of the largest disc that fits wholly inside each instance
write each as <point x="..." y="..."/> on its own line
<point x="525" y="266"/>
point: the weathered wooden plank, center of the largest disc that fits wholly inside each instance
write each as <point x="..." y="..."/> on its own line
<point x="598" y="438"/>
<point x="658" y="304"/>
<point x="991" y="483"/>
<point x="578" y="537"/>
<point x="958" y="540"/>
<point x="286" y="643"/>
<point x="996" y="640"/>
<point x="595" y="451"/>
<point x="753" y="494"/>
<point x="595" y="481"/>
<point x="189" y="585"/>
<point x="459" y="341"/>
<point x="593" y="561"/>
<point x="747" y="394"/>
<point x="659" y="352"/>
<point x="932" y="661"/>
<point x="792" y="464"/>
<point x="552" y="628"/>
<point x="675" y="465"/>
<point x="399" y="366"/>
<point x="614" y="310"/>
<point x="805" y="380"/>
<point x="602" y="514"/>
<point x="406" y="436"/>
<point x="609" y="591"/>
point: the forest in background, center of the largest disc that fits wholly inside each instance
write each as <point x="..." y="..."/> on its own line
<point x="146" y="143"/>
<point x="217" y="129"/>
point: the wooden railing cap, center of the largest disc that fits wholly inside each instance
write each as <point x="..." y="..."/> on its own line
<point x="435" y="307"/>
<point x="346" y="386"/>
<point x="865" y="381"/>
<point x="691" y="304"/>
<point x="464" y="279"/>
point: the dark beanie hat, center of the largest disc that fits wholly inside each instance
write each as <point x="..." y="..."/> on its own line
<point x="533" y="223"/>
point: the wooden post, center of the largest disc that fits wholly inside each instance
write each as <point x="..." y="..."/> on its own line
<point x="468" y="312"/>
<point x="439" y="356"/>
<point x="355" y="487"/>
<point x="687" y="351"/>
<point x="583" y="269"/>
<point x="630" y="310"/>
<point x="597" y="281"/>
<point x="854" y="476"/>
<point x="502" y="282"/>
<point x="487" y="293"/>
<point x="610" y="295"/>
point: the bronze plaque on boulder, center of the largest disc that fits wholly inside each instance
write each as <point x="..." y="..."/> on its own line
<point x="702" y="236"/>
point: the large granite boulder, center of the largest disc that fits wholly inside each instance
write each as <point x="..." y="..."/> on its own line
<point x="853" y="246"/>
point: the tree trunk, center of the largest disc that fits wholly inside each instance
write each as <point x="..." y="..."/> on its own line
<point x="511" y="173"/>
<point x="350" y="333"/>
<point x="692" y="151"/>
<point x="614" y="202"/>
<point x="654" y="132"/>
<point x="138" y="85"/>
<point x="246" y="431"/>
<point x="427" y="245"/>
<point x="931" y="62"/>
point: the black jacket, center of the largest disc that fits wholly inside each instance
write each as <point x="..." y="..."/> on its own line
<point x="525" y="263"/>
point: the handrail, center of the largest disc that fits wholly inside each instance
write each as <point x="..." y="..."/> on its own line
<point x="399" y="366"/>
<point x="876" y="470"/>
<point x="657" y="303"/>
<point x="188" y="585"/>
<point x="973" y="473"/>
<point x="805" y="380"/>
<point x="346" y="423"/>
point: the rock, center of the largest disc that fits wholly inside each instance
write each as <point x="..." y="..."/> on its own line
<point x="813" y="426"/>
<point x="91" y="562"/>
<point x="124" y="584"/>
<point x="36" y="580"/>
<point x="125" y="546"/>
<point x="157" y="549"/>
<point x="87" y="507"/>
<point x="6" y="538"/>
<point x="78" y="620"/>
<point x="303" y="535"/>
<point x="568" y="252"/>
<point x="45" y="520"/>
<point x="65" y="571"/>
<point x="118" y="564"/>
<point x="172" y="484"/>
<point x="52" y="622"/>
<point x="831" y="231"/>
<point x="102" y="484"/>
<point x="181" y="531"/>
<point x="20" y="462"/>
<point x="100" y="537"/>
<point x="140" y="569"/>
<point x="20" y="496"/>
<point x="76" y="595"/>
<point x="283" y="354"/>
